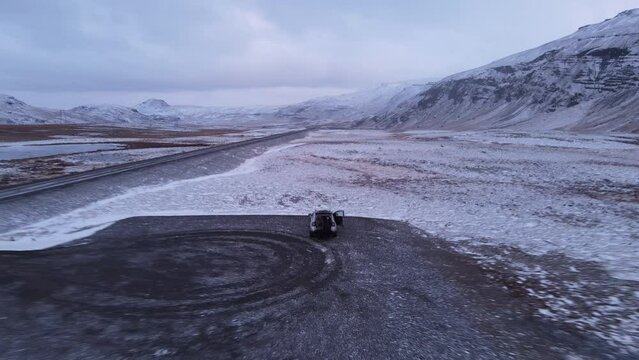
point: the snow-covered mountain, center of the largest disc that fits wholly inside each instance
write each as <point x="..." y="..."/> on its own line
<point x="585" y="81"/>
<point x="14" y="111"/>
<point x="114" y="114"/>
<point x="337" y="110"/>
<point x="150" y="113"/>
<point x="343" y="109"/>
<point x="155" y="107"/>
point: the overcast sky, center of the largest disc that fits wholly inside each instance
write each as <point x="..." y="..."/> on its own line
<point x="63" y="53"/>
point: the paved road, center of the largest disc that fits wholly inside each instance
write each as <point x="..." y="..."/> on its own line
<point x="257" y="287"/>
<point x="32" y="207"/>
<point x="48" y="184"/>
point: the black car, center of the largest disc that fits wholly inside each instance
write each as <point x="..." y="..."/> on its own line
<point x="325" y="222"/>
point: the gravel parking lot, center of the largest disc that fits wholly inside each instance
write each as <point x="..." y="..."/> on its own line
<point x="257" y="287"/>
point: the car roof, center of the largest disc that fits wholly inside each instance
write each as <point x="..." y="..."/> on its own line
<point x="323" y="212"/>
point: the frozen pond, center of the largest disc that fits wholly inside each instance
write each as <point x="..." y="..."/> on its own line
<point x="22" y="151"/>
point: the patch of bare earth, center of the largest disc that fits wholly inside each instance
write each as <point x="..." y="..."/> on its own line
<point x="574" y="294"/>
<point x="27" y="170"/>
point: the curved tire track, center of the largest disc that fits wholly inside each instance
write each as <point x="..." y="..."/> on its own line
<point x="181" y="274"/>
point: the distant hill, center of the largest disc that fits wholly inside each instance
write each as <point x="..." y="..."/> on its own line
<point x="14" y="111"/>
<point x="337" y="110"/>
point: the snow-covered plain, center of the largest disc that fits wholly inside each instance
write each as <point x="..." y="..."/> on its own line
<point x="550" y="193"/>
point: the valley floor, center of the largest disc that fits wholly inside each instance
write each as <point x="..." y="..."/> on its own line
<point x="36" y="152"/>
<point x="551" y="216"/>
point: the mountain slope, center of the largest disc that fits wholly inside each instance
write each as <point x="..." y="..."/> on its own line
<point x="14" y="111"/>
<point x="587" y="81"/>
<point x="343" y="109"/>
<point x="339" y="109"/>
<point x="155" y="107"/>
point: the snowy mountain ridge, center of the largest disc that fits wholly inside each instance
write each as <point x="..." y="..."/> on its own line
<point x="587" y="81"/>
<point x="153" y="107"/>
<point x="13" y="110"/>
<point x="615" y="33"/>
<point x="150" y="113"/>
<point x="156" y="112"/>
<point x="344" y="109"/>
